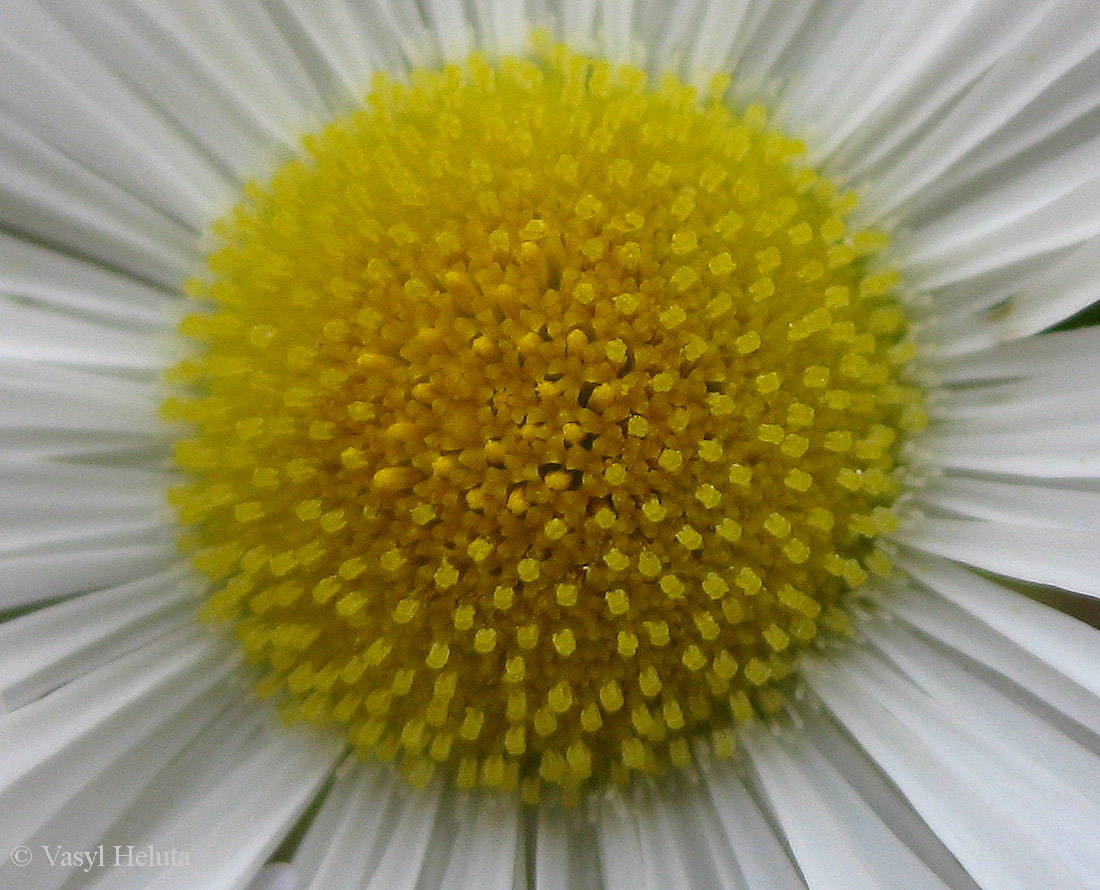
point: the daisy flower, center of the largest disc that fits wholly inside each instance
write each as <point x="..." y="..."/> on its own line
<point x="549" y="445"/>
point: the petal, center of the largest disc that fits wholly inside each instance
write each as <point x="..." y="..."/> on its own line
<point x="50" y="197"/>
<point x="1064" y="643"/>
<point x="1063" y="774"/>
<point x="759" y="853"/>
<point x="565" y="857"/>
<point x="621" y="861"/>
<point x="979" y="824"/>
<point x="65" y="96"/>
<point x="1064" y="35"/>
<point x="977" y="643"/>
<point x="50" y="504"/>
<point x="1062" y="220"/>
<point x="837" y="839"/>
<point x="1045" y="780"/>
<point x="1043" y="506"/>
<point x="1064" y="452"/>
<point x="1066" y="558"/>
<point x="58" y="743"/>
<point x="486" y="848"/>
<point x="346" y="838"/>
<point x="414" y="822"/>
<point x="30" y="273"/>
<point x="86" y="812"/>
<point x="47" y="411"/>
<point x="1059" y="356"/>
<point x="1015" y="302"/>
<point x="229" y="833"/>
<point x="207" y="73"/>
<point x="276" y="876"/>
<point x="50" y="647"/>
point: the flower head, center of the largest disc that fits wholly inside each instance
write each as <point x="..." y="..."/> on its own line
<point x="558" y="415"/>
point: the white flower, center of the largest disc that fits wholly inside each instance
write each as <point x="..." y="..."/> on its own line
<point x="954" y="743"/>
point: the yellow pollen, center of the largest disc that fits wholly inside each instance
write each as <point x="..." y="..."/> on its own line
<point x="541" y="420"/>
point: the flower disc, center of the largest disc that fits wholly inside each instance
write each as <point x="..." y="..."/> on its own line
<point x="543" y="418"/>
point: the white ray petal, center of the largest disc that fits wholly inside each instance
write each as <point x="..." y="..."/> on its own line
<point x="29" y="578"/>
<point x="1041" y="386"/>
<point x="399" y="29"/>
<point x="485" y="851"/>
<point x="61" y="741"/>
<point x="830" y="743"/>
<point x="275" y="876"/>
<point x="231" y="55"/>
<point x="247" y="38"/>
<point x="942" y="238"/>
<point x="975" y="730"/>
<point x="1063" y="642"/>
<point x="1067" y="34"/>
<point x="1059" y="453"/>
<point x="836" y="837"/>
<point x="835" y="41"/>
<point x="974" y="822"/>
<point x="199" y="768"/>
<point x="1056" y="124"/>
<point x="1044" y="404"/>
<point x="715" y="30"/>
<point x="60" y="399"/>
<point x="49" y="647"/>
<point x="875" y="55"/>
<point x="32" y="333"/>
<point x="66" y="96"/>
<point x="1066" y="558"/>
<point x="343" y="48"/>
<point x="345" y="840"/>
<point x="48" y="411"/>
<point x="229" y="834"/>
<point x="1045" y="506"/>
<point x="1011" y="302"/>
<point x="87" y="812"/>
<point x="948" y="625"/>
<point x="1003" y="723"/>
<point x="48" y="197"/>
<point x="578" y="22"/>
<point x="58" y="281"/>
<point x="1057" y="355"/>
<point x="947" y="71"/>
<point x="413" y="825"/>
<point x="177" y="81"/>
<point x="667" y="30"/>
<point x="180" y="81"/>
<point x="696" y="811"/>
<point x="760" y="54"/>
<point x="392" y="36"/>
<point x="1068" y="220"/>
<point x="565" y="856"/>
<point x="621" y="861"/>
<point x="501" y="25"/>
<point x="665" y="858"/>
<point x="49" y="504"/>
<point x="690" y="826"/>
<point x="552" y="853"/>
<point x="453" y="30"/>
<point x="615" y="30"/>
<point x="760" y="856"/>
<point x="898" y="53"/>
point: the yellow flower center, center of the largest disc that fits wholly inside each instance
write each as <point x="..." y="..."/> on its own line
<point x="543" y="418"/>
